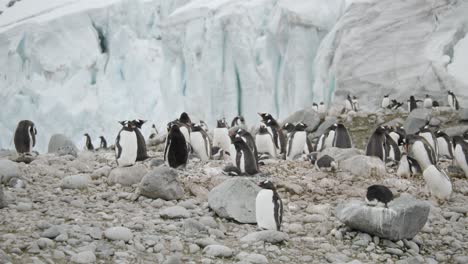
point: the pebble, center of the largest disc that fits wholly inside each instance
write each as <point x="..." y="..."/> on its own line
<point x="218" y="251"/>
<point x="175" y="212"/>
<point x="51" y="232"/>
<point x="118" y="233"/>
<point x="84" y="257"/>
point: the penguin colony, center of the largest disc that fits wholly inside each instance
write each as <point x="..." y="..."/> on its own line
<point x="413" y="154"/>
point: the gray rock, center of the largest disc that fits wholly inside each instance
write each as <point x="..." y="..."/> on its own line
<point x="101" y="172"/>
<point x="193" y="227"/>
<point x="404" y="218"/>
<point x="62" y="145"/>
<point x="161" y="183"/>
<point x="463" y="113"/>
<point x="364" y="166"/>
<point x="417" y="119"/>
<point x="173" y="260"/>
<point x="435" y="122"/>
<point x="3" y="202"/>
<point x="460" y="259"/>
<point x="329" y="120"/>
<point x="175" y="212"/>
<point x="16" y="183"/>
<point x="127" y="176"/>
<point x="44" y="242"/>
<point x="51" y="232"/>
<point x="307" y="116"/>
<point x="340" y="154"/>
<point x="235" y="199"/>
<point x="79" y="181"/>
<point x="252" y="258"/>
<point x="8" y="170"/>
<point x="118" y="233"/>
<point x="270" y="236"/>
<point x="455" y="131"/>
<point x="218" y="251"/>
<point x="84" y="257"/>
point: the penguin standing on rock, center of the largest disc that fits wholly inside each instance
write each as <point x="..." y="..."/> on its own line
<point x="264" y="142"/>
<point x="25" y="137"/>
<point x="315" y="107"/>
<point x="355" y="104"/>
<point x="427" y="102"/>
<point x="341" y="138"/>
<point x="268" y="207"/>
<point x="378" y="194"/>
<point x="392" y="148"/>
<point x="437" y="182"/>
<point x="377" y="144"/>
<point x="452" y="101"/>
<point x="200" y="142"/>
<point x="460" y="153"/>
<point x="176" y="151"/>
<point x="385" y="102"/>
<point x="185" y="125"/>
<point x="103" y="144"/>
<point x="412" y="103"/>
<point x="321" y="108"/>
<point x="126" y="144"/>
<point x="142" y="153"/>
<point x="88" y="144"/>
<point x="249" y="139"/>
<point x="348" y="103"/>
<point x="326" y="139"/>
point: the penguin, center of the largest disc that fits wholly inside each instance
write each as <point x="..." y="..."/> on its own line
<point x="427" y="102"/>
<point x="341" y="137"/>
<point x="88" y="144"/>
<point x="435" y="105"/>
<point x="200" y="142"/>
<point x="103" y="144"/>
<point x="296" y="141"/>
<point x="142" y="153"/>
<point x="419" y="149"/>
<point x="452" y="101"/>
<point x="249" y="139"/>
<point x="378" y="194"/>
<point x="321" y="108"/>
<point x="397" y="134"/>
<point x="326" y="163"/>
<point x="377" y="144"/>
<point x="268" y="207"/>
<point x="204" y="126"/>
<point x="126" y="144"/>
<point x="326" y="139"/>
<point x="392" y="148"/>
<point x="355" y="104"/>
<point x="426" y="133"/>
<point x="221" y="137"/>
<point x="245" y="160"/>
<point x="264" y="141"/>
<point x="395" y="104"/>
<point x="315" y="107"/>
<point x="275" y="129"/>
<point x="348" y="103"/>
<point x="412" y="103"/>
<point x="184" y="124"/>
<point x="175" y="151"/>
<point x="25" y="137"/>
<point x="444" y="144"/>
<point x="460" y="153"/>
<point x="238" y="121"/>
<point x="437" y="182"/>
<point x="465" y="136"/>
<point x="407" y="167"/>
<point x="385" y="102"/>
<point x="289" y="128"/>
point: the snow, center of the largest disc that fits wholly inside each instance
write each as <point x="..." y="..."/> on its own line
<point x="459" y="67"/>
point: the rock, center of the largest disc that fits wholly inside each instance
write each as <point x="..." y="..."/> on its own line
<point x="329" y="121"/>
<point x="3" y="202"/>
<point x="8" y="170"/>
<point x="463" y="113"/>
<point x="340" y="154"/>
<point x="252" y="258"/>
<point x="118" y="233"/>
<point x="101" y="172"/>
<point x="364" y="166"/>
<point x="193" y="227"/>
<point x="270" y="236"/>
<point x="435" y="122"/>
<point x="79" y="181"/>
<point x="16" y="183"/>
<point x="307" y="116"/>
<point x="51" y="232"/>
<point x="175" y="212"/>
<point x="456" y="130"/>
<point x="45" y="242"/>
<point x="235" y="199"/>
<point x="173" y="260"/>
<point x="162" y="183"/>
<point x="404" y="218"/>
<point x="417" y="119"/>
<point x="62" y="145"/>
<point x="460" y="259"/>
<point x="84" y="257"/>
<point x="218" y="251"/>
<point x="127" y="176"/>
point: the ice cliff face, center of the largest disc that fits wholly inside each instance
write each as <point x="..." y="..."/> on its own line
<point x="76" y="66"/>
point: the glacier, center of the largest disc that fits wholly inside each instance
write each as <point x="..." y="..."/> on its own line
<point x="77" y="66"/>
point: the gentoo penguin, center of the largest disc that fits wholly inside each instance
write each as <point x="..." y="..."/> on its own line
<point x="264" y="142"/>
<point x="377" y="144"/>
<point x="326" y="163"/>
<point x="419" y="149"/>
<point x="245" y="160"/>
<point x="321" y="108"/>
<point x="25" y="136"/>
<point x="395" y="104"/>
<point x="238" y="121"/>
<point x="326" y="139"/>
<point x="268" y="207"/>
<point x="385" y="102"/>
<point x="289" y="128"/>
<point x="355" y="104"/>
<point x="392" y="148"/>
<point x="437" y="182"/>
<point x="88" y="144"/>
<point x="184" y="126"/>
<point x="378" y="194"/>
<point x="348" y="103"/>
<point x="398" y="134"/>
<point x="426" y="133"/>
<point x="126" y="144"/>
<point x="176" y="151"/>
<point x="427" y="102"/>
<point x="296" y="141"/>
<point x="412" y="103"/>
<point x="221" y="137"/>
<point x="275" y="129"/>
<point x="452" y="101"/>
<point x="200" y="142"/>
<point x="342" y="138"/>
<point x="435" y="105"/>
<point x="444" y="144"/>
<point x="460" y="153"/>
<point x="204" y="126"/>
<point x="315" y="107"/>
<point x="407" y="167"/>
<point x="103" y="144"/>
<point x="142" y="153"/>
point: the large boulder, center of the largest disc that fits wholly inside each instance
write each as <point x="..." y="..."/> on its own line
<point x="162" y="183"/>
<point x="80" y="181"/>
<point x="463" y="113"/>
<point x="366" y="166"/>
<point x="456" y="130"/>
<point x="62" y="145"/>
<point x="307" y="116"/>
<point x="127" y="176"/>
<point x="8" y="170"/>
<point x="327" y="122"/>
<point x="403" y="219"/>
<point x="235" y="199"/>
<point x="339" y="154"/>
<point x="417" y="119"/>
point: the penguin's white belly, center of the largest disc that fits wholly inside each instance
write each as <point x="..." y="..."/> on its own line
<point x="265" y="210"/>
<point x="348" y="105"/>
<point x="30" y="141"/>
<point x="306" y="148"/>
<point x="394" y="136"/>
<point x="320" y="143"/>
<point x="404" y="168"/>
<point x="431" y="141"/>
<point x="437" y="182"/>
<point x="421" y="155"/>
<point x="265" y="144"/>
<point x="297" y="145"/>
<point x="186" y="133"/>
<point x="242" y="162"/>
<point x="233" y="152"/>
<point x="129" y="146"/>
<point x="199" y="145"/>
<point x="450" y="101"/>
<point x="428" y="103"/>
<point x="221" y="138"/>
<point x="385" y="102"/>
<point x="391" y="153"/>
<point x="321" y="109"/>
<point x="329" y="140"/>
<point x="443" y="147"/>
<point x="460" y="158"/>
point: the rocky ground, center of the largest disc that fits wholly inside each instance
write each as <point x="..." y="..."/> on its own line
<point x="82" y="210"/>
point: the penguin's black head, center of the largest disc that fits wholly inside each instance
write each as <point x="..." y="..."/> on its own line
<point x="288" y="127"/>
<point x="267" y="184"/>
<point x="457" y="140"/>
<point x="355" y="97"/>
<point x="263" y="129"/>
<point x="321" y="103"/>
<point x="300" y="127"/>
<point x="411" y="98"/>
<point x="465" y="135"/>
<point x="196" y="127"/>
<point x="184" y="118"/>
<point x="221" y="123"/>
<point x="314" y="104"/>
<point x="265" y="116"/>
<point x="86" y="134"/>
<point x="380" y="129"/>
<point x="386" y="95"/>
<point x="173" y="126"/>
<point x="101" y="137"/>
<point x="138" y="122"/>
